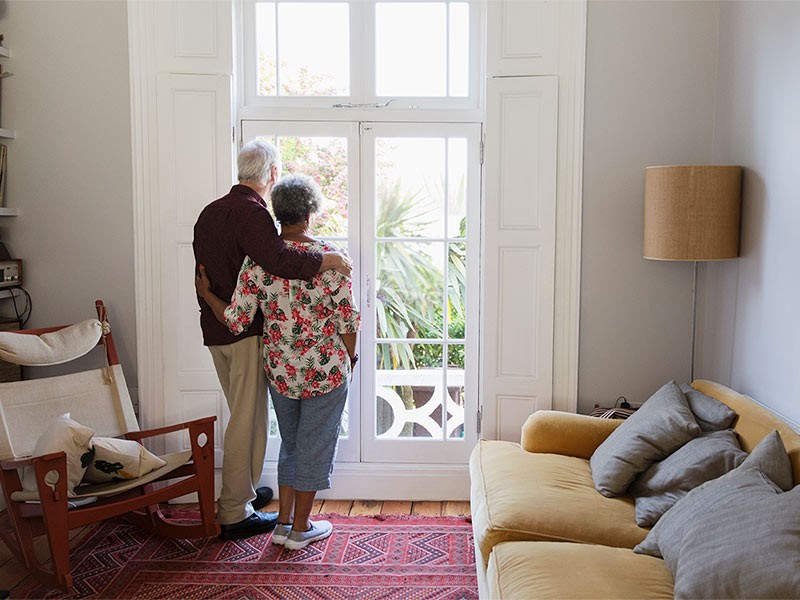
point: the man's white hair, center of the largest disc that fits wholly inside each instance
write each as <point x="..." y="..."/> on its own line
<point x="255" y="160"/>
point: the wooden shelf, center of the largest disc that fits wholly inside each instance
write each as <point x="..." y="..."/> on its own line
<point x="8" y="212"/>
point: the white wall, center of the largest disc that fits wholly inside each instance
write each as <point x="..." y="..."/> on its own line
<point x="69" y="168"/>
<point x="650" y="73"/>
<point x="750" y="324"/>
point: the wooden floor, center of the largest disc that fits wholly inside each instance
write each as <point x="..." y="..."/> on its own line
<point x="12" y="573"/>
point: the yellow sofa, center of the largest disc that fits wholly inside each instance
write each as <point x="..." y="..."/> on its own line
<point x="542" y="531"/>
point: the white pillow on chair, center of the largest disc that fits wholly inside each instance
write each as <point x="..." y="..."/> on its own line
<point x="51" y="348"/>
<point x="68" y="436"/>
<point x="116" y="459"/>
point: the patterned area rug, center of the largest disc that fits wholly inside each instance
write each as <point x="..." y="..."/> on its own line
<point x="382" y="557"/>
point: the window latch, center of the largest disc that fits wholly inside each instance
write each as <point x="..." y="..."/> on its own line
<point x="367" y="105"/>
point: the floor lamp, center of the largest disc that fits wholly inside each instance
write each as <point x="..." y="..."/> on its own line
<point x="692" y="213"/>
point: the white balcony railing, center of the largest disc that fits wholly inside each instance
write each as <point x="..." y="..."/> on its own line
<point x="421" y="415"/>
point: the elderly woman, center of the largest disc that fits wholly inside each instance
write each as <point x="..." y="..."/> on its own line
<point x="310" y="332"/>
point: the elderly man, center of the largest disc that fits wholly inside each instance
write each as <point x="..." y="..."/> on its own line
<point x="227" y="230"/>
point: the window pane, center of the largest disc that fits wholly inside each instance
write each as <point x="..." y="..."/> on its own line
<point x="409" y="398"/>
<point x="409" y="288"/>
<point x="410" y="180"/>
<point x="459" y="49"/>
<point x="456" y="290"/>
<point x="305" y="51"/>
<point x="411" y="49"/>
<point x="324" y="159"/>
<point x="455" y="400"/>
<point x="266" y="44"/>
<point x="456" y="187"/>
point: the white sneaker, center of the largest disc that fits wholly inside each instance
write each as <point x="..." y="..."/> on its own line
<point x="280" y="533"/>
<point x="300" y="539"/>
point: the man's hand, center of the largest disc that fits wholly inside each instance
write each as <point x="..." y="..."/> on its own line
<point x="201" y="283"/>
<point x="338" y="262"/>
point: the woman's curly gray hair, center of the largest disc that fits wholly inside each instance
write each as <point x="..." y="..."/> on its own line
<point x="294" y="198"/>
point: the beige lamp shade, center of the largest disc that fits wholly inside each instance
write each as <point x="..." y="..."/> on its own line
<point x="692" y="212"/>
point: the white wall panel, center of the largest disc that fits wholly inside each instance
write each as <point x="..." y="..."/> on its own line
<point x="512" y="412"/>
<point x="194" y="36"/>
<point x="519" y="246"/>
<point x="518" y="314"/>
<point x="520" y="159"/>
<point x="195" y="150"/>
<point x="196" y="29"/>
<point x="522" y="37"/>
<point x="194" y="115"/>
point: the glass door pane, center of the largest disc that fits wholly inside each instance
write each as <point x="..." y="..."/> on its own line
<point x="303" y="48"/>
<point x="436" y="64"/>
<point x="328" y="152"/>
<point x="421" y="186"/>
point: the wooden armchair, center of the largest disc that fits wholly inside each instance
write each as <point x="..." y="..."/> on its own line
<point x="99" y="400"/>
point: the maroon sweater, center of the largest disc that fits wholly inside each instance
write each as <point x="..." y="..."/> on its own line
<point x="228" y="229"/>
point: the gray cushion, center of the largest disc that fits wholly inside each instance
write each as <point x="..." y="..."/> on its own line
<point x="662" y="425"/>
<point x="710" y="413"/>
<point x="733" y="537"/>
<point x="704" y="458"/>
<point x="771" y="458"/>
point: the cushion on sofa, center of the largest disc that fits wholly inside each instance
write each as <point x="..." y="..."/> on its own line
<point x="771" y="458"/>
<point x="518" y="495"/>
<point x="733" y="537"/>
<point x="565" y="570"/>
<point x="710" y="414"/>
<point x="662" y="425"/>
<point x="706" y="457"/>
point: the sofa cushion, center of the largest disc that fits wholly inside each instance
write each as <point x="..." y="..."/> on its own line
<point x="710" y="414"/>
<point x="741" y="518"/>
<point x="564" y="570"/>
<point x="662" y="425"/>
<point x="771" y="458"/>
<point x="518" y="495"/>
<point x="704" y="458"/>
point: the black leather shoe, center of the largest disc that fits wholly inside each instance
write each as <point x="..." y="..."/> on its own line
<point x="255" y="524"/>
<point x="263" y="496"/>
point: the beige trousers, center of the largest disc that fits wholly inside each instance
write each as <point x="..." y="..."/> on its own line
<point x="240" y="368"/>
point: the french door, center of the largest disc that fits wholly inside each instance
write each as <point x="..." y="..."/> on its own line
<point x="403" y="199"/>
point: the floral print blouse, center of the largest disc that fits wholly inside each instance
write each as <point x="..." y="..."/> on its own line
<point x="304" y="355"/>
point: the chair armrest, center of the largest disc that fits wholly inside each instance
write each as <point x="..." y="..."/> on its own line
<point x="555" y="432"/>
<point x="27" y="461"/>
<point x="16" y="463"/>
<point x="146" y="433"/>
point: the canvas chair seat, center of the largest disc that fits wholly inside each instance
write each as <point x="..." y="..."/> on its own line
<point x="97" y="399"/>
<point x="99" y="490"/>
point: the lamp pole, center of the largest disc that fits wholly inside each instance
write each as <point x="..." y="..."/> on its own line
<point x="694" y="321"/>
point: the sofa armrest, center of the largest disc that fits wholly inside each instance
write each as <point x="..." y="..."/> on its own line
<point x="555" y="432"/>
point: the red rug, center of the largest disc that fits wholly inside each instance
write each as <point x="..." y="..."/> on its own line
<point x="383" y="557"/>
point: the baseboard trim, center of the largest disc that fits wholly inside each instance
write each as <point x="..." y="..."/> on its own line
<point x="375" y="481"/>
